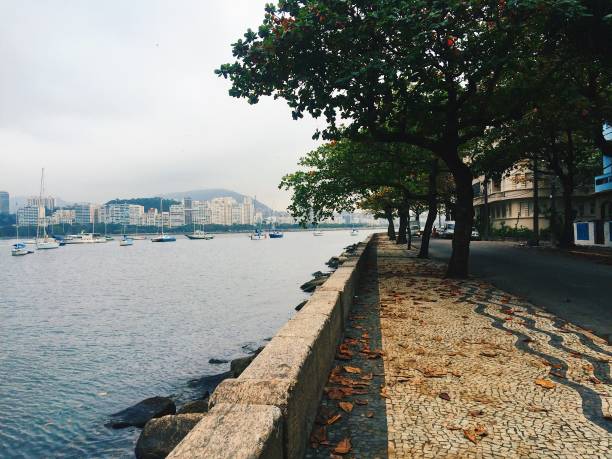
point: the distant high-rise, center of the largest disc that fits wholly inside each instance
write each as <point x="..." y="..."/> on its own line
<point x="4" y="202"/>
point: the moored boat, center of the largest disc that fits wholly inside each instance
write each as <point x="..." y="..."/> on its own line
<point x="162" y="237"/>
<point x="317" y="233"/>
<point x="19" y="249"/>
<point x="276" y="234"/>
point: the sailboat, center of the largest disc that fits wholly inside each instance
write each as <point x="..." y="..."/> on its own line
<point x="199" y="234"/>
<point x="274" y="233"/>
<point x="354" y="232"/>
<point x="19" y="248"/>
<point x="162" y="237"/>
<point x="45" y="242"/>
<point x="125" y="239"/>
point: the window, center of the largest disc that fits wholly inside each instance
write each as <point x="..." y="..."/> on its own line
<point x="524" y="209"/>
<point x="496" y="185"/>
<point x="581" y="210"/>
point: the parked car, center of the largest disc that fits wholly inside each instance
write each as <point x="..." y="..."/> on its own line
<point x="448" y="230"/>
<point x="415" y="230"/>
<point x="475" y="235"/>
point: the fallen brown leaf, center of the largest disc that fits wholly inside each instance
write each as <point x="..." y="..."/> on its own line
<point x="344" y="447"/>
<point x="336" y="417"/>
<point x="545" y="383"/>
<point x="370" y="414"/>
<point x="444" y="396"/>
<point x="489" y="354"/>
<point x="476" y="413"/>
<point x="346" y="406"/>
<point x="352" y="369"/>
<point x="360" y="401"/>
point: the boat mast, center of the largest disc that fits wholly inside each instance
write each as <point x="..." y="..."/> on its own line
<point x="42" y="181"/>
<point x="161" y="214"/>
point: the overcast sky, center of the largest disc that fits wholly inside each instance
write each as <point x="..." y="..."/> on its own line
<point x="119" y="99"/>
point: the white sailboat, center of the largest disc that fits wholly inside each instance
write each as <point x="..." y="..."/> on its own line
<point x="125" y="239"/>
<point x="45" y="242"/>
<point x="162" y="237"/>
<point x="19" y="248"/>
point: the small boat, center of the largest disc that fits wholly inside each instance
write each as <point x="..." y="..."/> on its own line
<point x="138" y="238"/>
<point x="276" y="234"/>
<point x="125" y="241"/>
<point x="19" y="249"/>
<point x="46" y="243"/>
<point x="257" y="235"/>
<point x="85" y="238"/>
<point x="354" y="232"/>
<point x="199" y="235"/>
<point x="317" y="233"/>
<point x="162" y="237"/>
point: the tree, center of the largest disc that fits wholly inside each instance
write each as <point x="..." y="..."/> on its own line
<point x="424" y="73"/>
<point x="339" y="175"/>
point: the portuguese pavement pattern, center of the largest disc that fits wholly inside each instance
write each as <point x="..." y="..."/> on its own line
<point x="432" y="367"/>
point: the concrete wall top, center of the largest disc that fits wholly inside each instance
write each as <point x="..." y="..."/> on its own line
<point x="272" y="405"/>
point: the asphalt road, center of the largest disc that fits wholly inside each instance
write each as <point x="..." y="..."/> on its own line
<point x="575" y="289"/>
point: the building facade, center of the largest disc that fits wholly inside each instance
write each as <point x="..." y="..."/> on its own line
<point x="4" y="202"/>
<point x="31" y="215"/>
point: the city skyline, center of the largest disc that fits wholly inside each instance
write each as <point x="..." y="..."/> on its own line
<point x="130" y="103"/>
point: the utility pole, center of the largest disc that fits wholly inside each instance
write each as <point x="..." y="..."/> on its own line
<point x="486" y="209"/>
<point x="553" y="210"/>
<point x="536" y="205"/>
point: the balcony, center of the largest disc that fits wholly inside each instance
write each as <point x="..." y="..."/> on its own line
<point x="603" y="183"/>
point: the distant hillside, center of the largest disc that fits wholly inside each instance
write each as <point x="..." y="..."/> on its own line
<point x="211" y="193"/>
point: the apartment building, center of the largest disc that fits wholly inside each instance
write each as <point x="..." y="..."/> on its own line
<point x="31" y="215"/>
<point x="4" y="202"/>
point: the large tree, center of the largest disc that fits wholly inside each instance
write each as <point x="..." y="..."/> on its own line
<point x="425" y="73"/>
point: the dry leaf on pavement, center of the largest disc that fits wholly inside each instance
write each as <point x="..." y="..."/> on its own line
<point x="545" y="383"/>
<point x="344" y="447"/>
<point x="346" y="406"/>
<point x="352" y="369"/>
<point x="336" y="417"/>
<point x="444" y="396"/>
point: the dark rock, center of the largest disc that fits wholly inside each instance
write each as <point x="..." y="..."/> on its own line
<point x="217" y="361"/>
<point x="196" y="406"/>
<point x="301" y="305"/>
<point x="333" y="262"/>
<point x="139" y="414"/>
<point x="207" y="384"/>
<point x="239" y="365"/>
<point x="160" y="436"/>
<point x="318" y="274"/>
<point x="311" y="285"/>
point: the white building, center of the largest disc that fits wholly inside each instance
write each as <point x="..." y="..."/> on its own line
<point x="84" y="213"/>
<point x="48" y="202"/>
<point x="63" y="216"/>
<point x="202" y="212"/>
<point x="177" y="215"/>
<point x="31" y="215"/>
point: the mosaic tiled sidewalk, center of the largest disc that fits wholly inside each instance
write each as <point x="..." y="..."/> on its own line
<point x="469" y="371"/>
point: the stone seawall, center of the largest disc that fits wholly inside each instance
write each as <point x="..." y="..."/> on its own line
<point x="269" y="410"/>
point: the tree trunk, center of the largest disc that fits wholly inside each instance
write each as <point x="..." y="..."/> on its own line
<point x="391" y="227"/>
<point x="458" y="266"/>
<point x="432" y="204"/>
<point x="403" y="221"/>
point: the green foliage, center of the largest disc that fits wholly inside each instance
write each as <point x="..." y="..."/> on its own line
<point x="520" y="233"/>
<point x="338" y="175"/>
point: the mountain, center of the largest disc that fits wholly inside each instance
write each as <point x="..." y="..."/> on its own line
<point x="211" y="193"/>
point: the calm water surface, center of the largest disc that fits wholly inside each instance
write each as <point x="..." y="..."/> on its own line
<point x="88" y="330"/>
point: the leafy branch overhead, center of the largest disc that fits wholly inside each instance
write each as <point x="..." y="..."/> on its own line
<point x="338" y="175"/>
